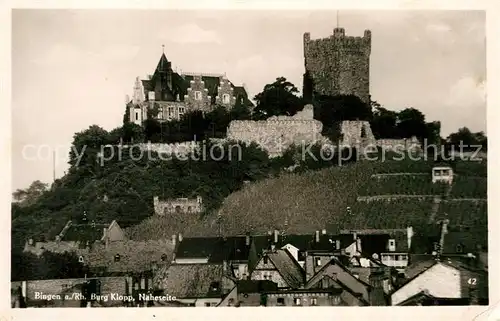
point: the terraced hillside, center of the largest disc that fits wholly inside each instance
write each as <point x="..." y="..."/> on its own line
<point x="352" y="196"/>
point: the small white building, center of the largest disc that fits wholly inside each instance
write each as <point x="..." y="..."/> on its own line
<point x="442" y="174"/>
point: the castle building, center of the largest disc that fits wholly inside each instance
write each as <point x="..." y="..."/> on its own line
<point x="337" y="65"/>
<point x="170" y="94"/>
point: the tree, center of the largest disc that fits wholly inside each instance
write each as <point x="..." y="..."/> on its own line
<point x="240" y="111"/>
<point x="27" y="197"/>
<point x="278" y="98"/>
<point x="411" y="122"/>
<point x="217" y="121"/>
<point x="384" y="122"/>
<point x="464" y="137"/>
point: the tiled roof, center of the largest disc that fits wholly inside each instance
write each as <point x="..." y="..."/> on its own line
<point x="192" y="280"/>
<point x="84" y="232"/>
<point x="303" y="242"/>
<point x="289" y="269"/>
<point x="256" y="286"/>
<point x="134" y="256"/>
<point x="377" y="243"/>
<point x="216" y="249"/>
<point x="466" y="273"/>
<point x="469" y="241"/>
<point x="196" y="247"/>
<point x="181" y="83"/>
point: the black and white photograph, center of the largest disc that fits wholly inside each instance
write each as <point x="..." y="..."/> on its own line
<point x="248" y="158"/>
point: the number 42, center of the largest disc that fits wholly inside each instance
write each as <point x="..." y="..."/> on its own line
<point x="472" y="281"/>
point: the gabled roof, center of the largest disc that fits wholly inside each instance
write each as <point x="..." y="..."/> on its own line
<point x="85" y="232"/>
<point x="134" y="256"/>
<point x="466" y="274"/>
<point x="181" y="83"/>
<point x="256" y="286"/>
<point x="468" y="241"/>
<point x="426" y="299"/>
<point x="327" y="242"/>
<point x="216" y="249"/>
<point x="336" y="262"/>
<point x="288" y="268"/>
<point x="193" y="280"/>
<point x="378" y="243"/>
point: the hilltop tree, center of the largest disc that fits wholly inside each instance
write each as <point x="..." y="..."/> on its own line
<point x="465" y="137"/>
<point x="278" y="98"/>
<point x="28" y="196"/>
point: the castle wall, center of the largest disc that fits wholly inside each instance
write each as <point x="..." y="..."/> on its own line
<point x="277" y="133"/>
<point x="164" y="207"/>
<point x="339" y="64"/>
<point x="411" y="144"/>
<point x="356" y="132"/>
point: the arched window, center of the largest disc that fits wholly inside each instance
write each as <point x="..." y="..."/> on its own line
<point x="80" y="259"/>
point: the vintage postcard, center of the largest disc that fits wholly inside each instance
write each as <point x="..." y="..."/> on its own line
<point x="249" y="158"/>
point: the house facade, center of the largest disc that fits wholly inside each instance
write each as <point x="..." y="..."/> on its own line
<point x="167" y="95"/>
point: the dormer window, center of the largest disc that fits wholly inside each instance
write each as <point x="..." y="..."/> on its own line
<point x="117" y="258"/>
<point x="317" y="260"/>
<point x="197" y="95"/>
<point x="226" y="99"/>
<point x="392" y="245"/>
<point x="214" y="286"/>
<point x="80" y="259"/>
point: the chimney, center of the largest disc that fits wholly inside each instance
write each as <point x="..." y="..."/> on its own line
<point x="23" y="289"/>
<point x="276" y="234"/>
<point x="323" y="232"/>
<point x="358" y="245"/>
<point x="317" y="237"/>
<point x="354" y="235"/>
<point x="30" y="241"/>
<point x="174" y="239"/>
<point x="337" y="244"/>
<point x="273" y="247"/>
<point x="247" y="239"/>
<point x="224" y="267"/>
<point x="180" y="237"/>
<point x="409" y="235"/>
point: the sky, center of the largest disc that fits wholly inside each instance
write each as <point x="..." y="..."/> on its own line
<point x="72" y="68"/>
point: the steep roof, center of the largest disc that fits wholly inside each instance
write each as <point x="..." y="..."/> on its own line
<point x="466" y="274"/>
<point x="289" y="269"/>
<point x="377" y="243"/>
<point x="85" y="232"/>
<point x="256" y="286"/>
<point x="181" y="83"/>
<point x="304" y="242"/>
<point x="468" y="240"/>
<point x="193" y="280"/>
<point x="216" y="249"/>
<point x="134" y="256"/>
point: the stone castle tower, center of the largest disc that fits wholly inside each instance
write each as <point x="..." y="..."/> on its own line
<point x="337" y="65"/>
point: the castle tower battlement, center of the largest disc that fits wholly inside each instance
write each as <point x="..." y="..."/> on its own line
<point x="337" y="65"/>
